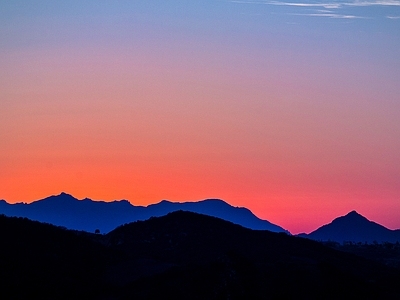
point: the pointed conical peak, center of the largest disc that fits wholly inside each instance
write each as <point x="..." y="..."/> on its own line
<point x="353" y="213"/>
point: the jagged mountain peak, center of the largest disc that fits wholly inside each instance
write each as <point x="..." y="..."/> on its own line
<point x="61" y="196"/>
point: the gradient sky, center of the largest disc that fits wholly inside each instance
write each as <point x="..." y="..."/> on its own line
<point x="290" y="109"/>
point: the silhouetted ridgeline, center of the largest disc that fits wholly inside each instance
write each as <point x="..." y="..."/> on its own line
<point x="182" y="255"/>
<point x="65" y="210"/>
<point x="88" y="215"/>
<point x="43" y="261"/>
<point x="354" y="228"/>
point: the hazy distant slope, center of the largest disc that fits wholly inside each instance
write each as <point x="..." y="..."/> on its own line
<point x="88" y="215"/>
<point x="216" y="208"/>
<point x="355" y="228"/>
<point x="65" y="210"/>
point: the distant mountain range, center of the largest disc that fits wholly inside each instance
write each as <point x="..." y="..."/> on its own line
<point x="88" y="215"/>
<point x="354" y="227"/>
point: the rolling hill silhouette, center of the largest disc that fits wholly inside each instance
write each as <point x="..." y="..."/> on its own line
<point x="354" y="227"/>
<point x="181" y="255"/>
<point x="88" y="215"/>
<point x="43" y="261"/>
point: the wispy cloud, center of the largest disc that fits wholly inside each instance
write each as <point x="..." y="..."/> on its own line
<point x="330" y="9"/>
<point x="335" y="5"/>
<point x="373" y="3"/>
<point x="327" y="5"/>
<point x="324" y="11"/>
<point x="330" y="15"/>
<point x="324" y="5"/>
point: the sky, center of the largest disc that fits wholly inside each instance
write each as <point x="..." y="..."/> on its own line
<point x="290" y="109"/>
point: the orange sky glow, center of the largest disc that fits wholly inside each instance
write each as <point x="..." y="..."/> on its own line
<point x="299" y="127"/>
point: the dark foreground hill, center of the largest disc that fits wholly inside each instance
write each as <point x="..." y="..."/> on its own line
<point x="354" y="228"/>
<point x="88" y="215"/>
<point x="181" y="255"/>
<point x="46" y="262"/>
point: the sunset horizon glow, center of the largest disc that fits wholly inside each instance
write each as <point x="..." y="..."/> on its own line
<point x="288" y="109"/>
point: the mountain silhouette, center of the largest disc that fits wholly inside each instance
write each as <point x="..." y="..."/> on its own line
<point x="88" y="215"/>
<point x="185" y="254"/>
<point x="43" y="261"/>
<point x="182" y="255"/>
<point x="354" y="227"/>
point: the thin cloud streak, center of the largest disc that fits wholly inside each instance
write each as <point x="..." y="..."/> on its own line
<point x="331" y="9"/>
<point x="374" y="3"/>
<point x="330" y="15"/>
<point x="324" y="5"/>
<point x="328" y="5"/>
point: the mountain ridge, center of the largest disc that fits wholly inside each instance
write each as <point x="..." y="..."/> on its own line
<point x="89" y="215"/>
<point x="354" y="227"/>
<point x="92" y="215"/>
